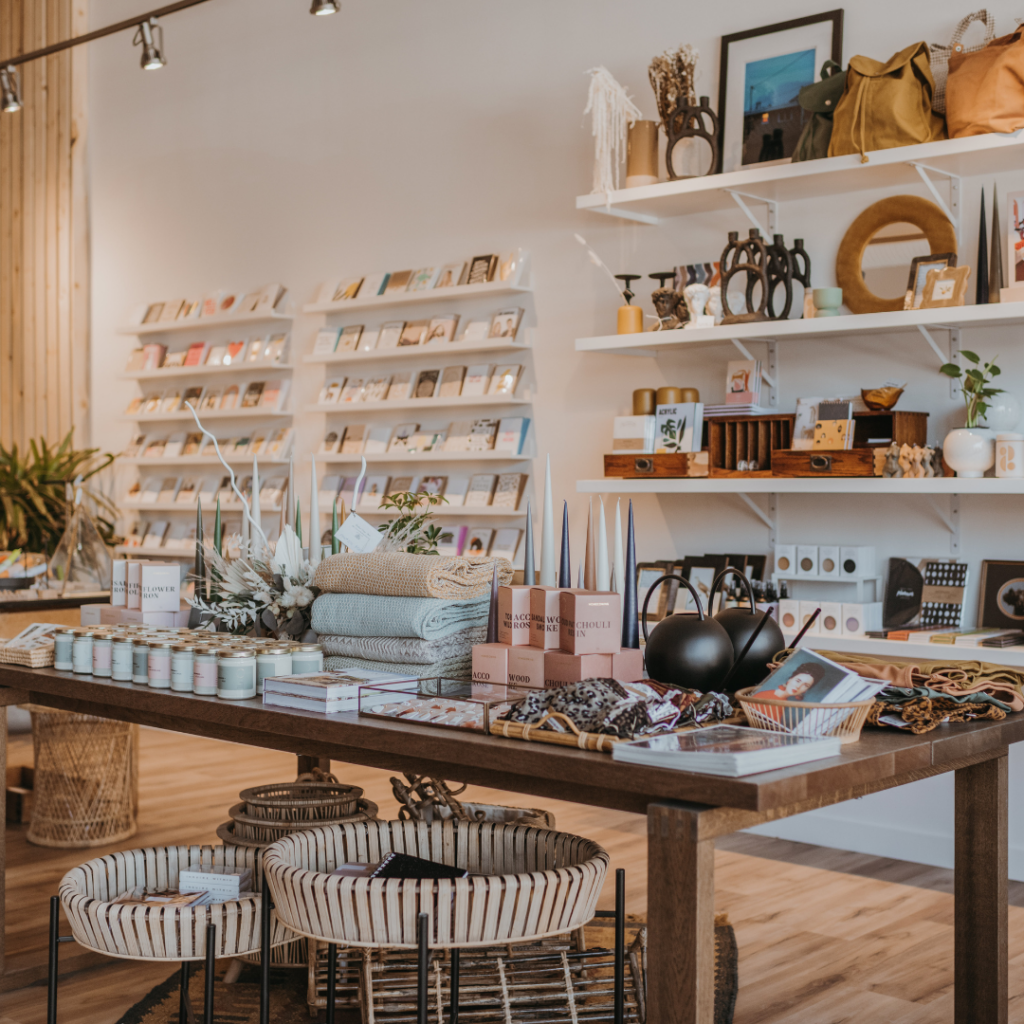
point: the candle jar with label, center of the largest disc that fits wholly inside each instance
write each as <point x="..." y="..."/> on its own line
<point x="204" y="671"/>
<point x="236" y="675"/>
<point x="307" y="658"/>
<point x="182" y="667"/>
<point x="81" y="653"/>
<point x="160" y="664"/>
<point x="101" y="652"/>
<point x="121" y="660"/>
<point x="63" y="642"/>
<point x="272" y="661"/>
<point x="140" y="661"/>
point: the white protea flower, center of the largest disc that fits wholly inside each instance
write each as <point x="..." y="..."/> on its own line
<point x="288" y="554"/>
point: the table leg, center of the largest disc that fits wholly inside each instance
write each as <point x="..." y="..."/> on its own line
<point x="306" y="764"/>
<point x="680" y="917"/>
<point x="980" y="931"/>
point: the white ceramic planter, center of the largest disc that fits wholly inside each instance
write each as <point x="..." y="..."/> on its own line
<point x="970" y="451"/>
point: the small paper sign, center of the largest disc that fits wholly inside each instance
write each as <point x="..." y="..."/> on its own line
<point x="358" y="535"/>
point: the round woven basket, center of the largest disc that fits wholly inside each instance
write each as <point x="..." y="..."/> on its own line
<point x="312" y="802"/>
<point x="525" y="883"/>
<point x="247" y="830"/>
<point x="805" y="718"/>
<point x="162" y="933"/>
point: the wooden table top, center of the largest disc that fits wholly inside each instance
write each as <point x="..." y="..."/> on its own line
<point x="533" y="768"/>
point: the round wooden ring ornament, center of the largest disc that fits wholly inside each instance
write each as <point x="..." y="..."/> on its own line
<point x="922" y="213"/>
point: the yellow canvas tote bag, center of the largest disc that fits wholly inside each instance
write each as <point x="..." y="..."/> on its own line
<point x="886" y="105"/>
<point x="985" y="90"/>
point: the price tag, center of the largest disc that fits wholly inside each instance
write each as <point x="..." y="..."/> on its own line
<point x="358" y="535"/>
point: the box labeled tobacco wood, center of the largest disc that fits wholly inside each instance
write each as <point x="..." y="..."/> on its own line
<point x="680" y="464"/>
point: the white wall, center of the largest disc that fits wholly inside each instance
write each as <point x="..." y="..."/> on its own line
<point x="277" y="146"/>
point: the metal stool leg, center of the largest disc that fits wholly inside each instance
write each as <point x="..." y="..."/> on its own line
<point x="183" y="1006"/>
<point x="51" y="974"/>
<point x="423" y="972"/>
<point x="265" y="954"/>
<point x="620" y="945"/>
<point x="453" y="1010"/>
<point x="211" y="966"/>
<point x="332" y="991"/>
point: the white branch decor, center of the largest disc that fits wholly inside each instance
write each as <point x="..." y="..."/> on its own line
<point x="613" y="112"/>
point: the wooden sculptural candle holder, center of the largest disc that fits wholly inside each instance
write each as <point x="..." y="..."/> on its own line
<point x="748" y="258"/>
<point x="780" y="274"/>
<point x="687" y="121"/>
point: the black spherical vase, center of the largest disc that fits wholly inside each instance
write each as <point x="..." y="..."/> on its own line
<point x="686" y="651"/>
<point x="740" y="623"/>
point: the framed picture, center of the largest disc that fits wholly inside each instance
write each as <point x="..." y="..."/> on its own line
<point x="919" y="267"/>
<point x="664" y="600"/>
<point x="762" y="73"/>
<point x="1014" y="239"/>
<point x="1002" y="595"/>
<point x="701" y="572"/>
<point x="946" y="287"/>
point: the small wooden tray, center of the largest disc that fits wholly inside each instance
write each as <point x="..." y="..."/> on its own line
<point x="633" y="467"/>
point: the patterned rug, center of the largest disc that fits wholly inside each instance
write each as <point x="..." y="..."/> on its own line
<point x="238" y="1003"/>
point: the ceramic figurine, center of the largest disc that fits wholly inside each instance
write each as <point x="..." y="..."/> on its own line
<point x="927" y="469"/>
<point x="780" y="272"/>
<point x="714" y="306"/>
<point x="904" y="460"/>
<point x="892" y="466"/>
<point x="697" y="296"/>
<point x="747" y="258"/>
<point x="668" y="304"/>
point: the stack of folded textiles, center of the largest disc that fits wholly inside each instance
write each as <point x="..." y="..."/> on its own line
<point x="395" y="612"/>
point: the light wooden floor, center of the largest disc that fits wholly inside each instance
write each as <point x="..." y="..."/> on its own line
<point x="825" y="937"/>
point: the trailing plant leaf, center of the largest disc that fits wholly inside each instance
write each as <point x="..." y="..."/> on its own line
<point x="410" y="531"/>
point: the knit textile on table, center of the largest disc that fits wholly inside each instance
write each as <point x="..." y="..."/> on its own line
<point x="397" y="574"/>
<point x="405" y="650"/>
<point x="448" y="668"/>
<point x="424" y="617"/>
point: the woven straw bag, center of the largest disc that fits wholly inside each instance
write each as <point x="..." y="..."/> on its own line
<point x="941" y="54"/>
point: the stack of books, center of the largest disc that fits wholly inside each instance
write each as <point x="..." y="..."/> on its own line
<point x="330" y="693"/>
<point x="216" y="886"/>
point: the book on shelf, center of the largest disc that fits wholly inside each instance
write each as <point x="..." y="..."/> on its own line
<point x="279" y="442"/>
<point x="155" y="354"/>
<point x="169" y="488"/>
<point x="452" y="540"/>
<point x="192" y="444"/>
<point x="476" y="330"/>
<point x="390" y="334"/>
<point x="211" y="303"/>
<point x="505" y="323"/>
<point x="509" y="490"/>
<point x="175" y="443"/>
<point x="331" y="391"/>
<point x="368" y="340"/>
<point x="259" y="442"/>
<point x="424" y="279"/>
<point x="136" y="360"/>
<point x="212" y="399"/>
<point x="374" y="284"/>
<point x="170" y="401"/>
<point x="152" y="314"/>
<point x="478" y="542"/>
<point x="511" y="434"/>
<point x="193" y="395"/>
<point x="833" y="429"/>
<point x="426" y="383"/>
<point x="254" y="350"/>
<point x="151" y="403"/>
<point x="450" y="274"/>
<point x="477" y="380"/>
<point x="398" y="281"/>
<point x="743" y="382"/>
<point x="156" y="533"/>
<point x="377" y="438"/>
<point x="346" y="491"/>
<point x="230" y="397"/>
<point x="272" y="491"/>
<point x="432" y="485"/>
<point x="150" y="493"/>
<point x="403" y="485"/>
<point x="274" y="394"/>
<point x="277" y="349"/>
<point x="373" y="490"/>
<point x="196" y="353"/>
<point x="481" y="269"/>
<point x="679" y="428"/>
<point x="376" y="389"/>
<point x="326" y="341"/>
<point x="329" y="445"/>
<point x="344" y="291"/>
<point x="349" y="338"/>
<point x="455" y="492"/>
<point x="506" y="543"/>
<point x="352" y="390"/>
<point x="482" y="434"/>
<point x="729" y="750"/>
<point x="135" y="537"/>
<point x="401" y="435"/>
<point x="400" y="387"/>
<point x="481" y="489"/>
<point x="235" y="353"/>
<point x="253" y="394"/>
<point x="155" y="447"/>
<point x="451" y="381"/>
<point x="241" y="446"/>
<point x="173" y="360"/>
<point x="208" y="491"/>
<point x="330" y="485"/>
<point x="187" y="492"/>
<point x="354" y="439"/>
<point x="428" y="441"/>
<point x="216" y="355"/>
<point x="504" y="380"/>
<point x="442" y="329"/>
<point x="271" y="296"/>
<point x="135" y="447"/>
<point x="414" y="332"/>
<point x="134" y="407"/>
<point x="925" y="593"/>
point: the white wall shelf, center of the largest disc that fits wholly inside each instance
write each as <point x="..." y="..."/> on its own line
<point x="198" y="460"/>
<point x="213" y="414"/>
<point x="452" y="348"/>
<point x="426" y="404"/>
<point x="489" y="456"/>
<point x="190" y="507"/>
<point x="858" y="581"/>
<point x="448" y="295"/>
<point x="837" y="328"/>
<point x="870" y="486"/>
<point x="908" y="650"/>
<point x="455" y="511"/>
<point x="207" y="323"/>
<point x="832" y="176"/>
<point x="207" y="371"/>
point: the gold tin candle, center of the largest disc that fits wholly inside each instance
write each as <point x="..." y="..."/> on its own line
<point x="236" y="675"/>
<point x="644" y="402"/>
<point x="669" y="396"/>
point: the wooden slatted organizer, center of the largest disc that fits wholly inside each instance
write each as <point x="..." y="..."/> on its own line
<point x="743" y="438"/>
<point x="526" y="883"/>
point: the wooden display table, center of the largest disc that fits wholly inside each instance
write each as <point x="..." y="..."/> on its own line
<point x="685" y="812"/>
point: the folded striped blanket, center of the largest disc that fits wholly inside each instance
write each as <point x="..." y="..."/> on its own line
<point x="405" y="650"/>
<point x="397" y="574"/>
<point x="449" y="668"/>
<point x="424" y="617"/>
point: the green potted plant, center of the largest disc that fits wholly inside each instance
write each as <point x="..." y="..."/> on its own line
<point x="970" y="450"/>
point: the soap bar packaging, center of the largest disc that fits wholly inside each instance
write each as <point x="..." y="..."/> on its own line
<point x="133" y="597"/>
<point x="628" y="664"/>
<point x="112" y="615"/>
<point x="544" y="616"/>
<point x="514" y="615"/>
<point x="160" y="585"/>
<point x="561" y="668"/>
<point x="119" y="583"/>
<point x="590" y="622"/>
<point x="490" y="663"/>
<point x="526" y="667"/>
<point x="634" y="435"/>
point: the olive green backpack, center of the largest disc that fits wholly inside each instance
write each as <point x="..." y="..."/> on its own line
<point x="821" y="99"/>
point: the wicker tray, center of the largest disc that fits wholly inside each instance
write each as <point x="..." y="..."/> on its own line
<point x="38" y="657"/>
<point x="302" y="801"/>
<point x="793" y="716"/>
<point x="243" y="834"/>
<point x="573" y="737"/>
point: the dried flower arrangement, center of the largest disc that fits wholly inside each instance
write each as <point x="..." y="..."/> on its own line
<point x="673" y="78"/>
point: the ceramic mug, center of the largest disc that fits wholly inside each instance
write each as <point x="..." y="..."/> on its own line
<point x="827" y="301"/>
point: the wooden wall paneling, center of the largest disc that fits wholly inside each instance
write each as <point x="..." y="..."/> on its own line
<point x="76" y="368"/>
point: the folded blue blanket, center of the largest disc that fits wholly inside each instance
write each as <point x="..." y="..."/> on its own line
<point x="429" y="618"/>
<point x="448" y="668"/>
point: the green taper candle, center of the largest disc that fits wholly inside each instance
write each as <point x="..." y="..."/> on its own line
<point x="335" y="543"/>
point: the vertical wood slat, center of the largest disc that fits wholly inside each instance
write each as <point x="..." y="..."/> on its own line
<point x="43" y="243"/>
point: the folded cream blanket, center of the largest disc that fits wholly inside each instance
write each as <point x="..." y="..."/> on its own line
<point x="449" y="668"/>
<point x="405" y="650"/>
<point x="396" y="574"/>
<point x="425" y="617"/>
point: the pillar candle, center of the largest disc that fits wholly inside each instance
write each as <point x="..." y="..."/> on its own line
<point x="218" y="530"/>
<point x="565" y="568"/>
<point x="492" y="614"/>
<point x="548" y="577"/>
<point x="257" y="517"/>
<point x="529" y="563"/>
<point x="335" y="543"/>
<point x="590" y="552"/>
<point x="617" y="554"/>
<point x="630" y="626"/>
<point x="314" y="516"/>
<point x="603" y="570"/>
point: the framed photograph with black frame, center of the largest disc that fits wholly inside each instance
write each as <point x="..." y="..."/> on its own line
<point x="701" y="571"/>
<point x="762" y="73"/>
<point x="662" y="603"/>
<point x="1002" y="595"/>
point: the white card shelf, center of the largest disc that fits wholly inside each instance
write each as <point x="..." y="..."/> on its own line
<point x="832" y="176"/>
<point x="175" y="372"/>
<point x="457" y="511"/>
<point x="870" y="486"/>
<point x="190" y="507"/>
<point x="908" y="650"/>
<point x="424" y="457"/>
<point x="462" y="402"/>
<point x="403" y="352"/>
<point x="216" y="414"/>
<point x="198" y="460"/>
<point x="207" y="323"/>
<point x="491" y="289"/>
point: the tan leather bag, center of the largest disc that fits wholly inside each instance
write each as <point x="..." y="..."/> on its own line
<point x="886" y="105"/>
<point x="985" y="90"/>
<point x="940" y="53"/>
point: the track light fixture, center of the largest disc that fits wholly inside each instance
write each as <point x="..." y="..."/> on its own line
<point x="325" y="7"/>
<point x="152" y="52"/>
<point x="10" y="86"/>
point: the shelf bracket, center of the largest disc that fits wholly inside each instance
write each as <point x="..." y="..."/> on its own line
<point x="770" y="519"/>
<point x="926" y="334"/>
<point x="954" y="357"/>
<point x="952" y="210"/>
<point x="773" y="210"/>
<point x="765" y="376"/>
<point x="951" y="521"/>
